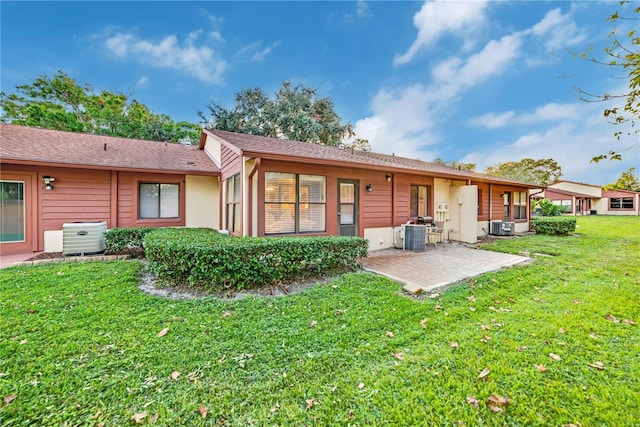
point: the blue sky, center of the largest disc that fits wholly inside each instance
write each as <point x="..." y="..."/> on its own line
<point x="473" y="81"/>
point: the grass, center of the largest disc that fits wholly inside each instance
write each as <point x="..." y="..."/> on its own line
<point x="79" y="345"/>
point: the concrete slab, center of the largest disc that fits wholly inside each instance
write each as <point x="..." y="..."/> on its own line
<point x="436" y="267"/>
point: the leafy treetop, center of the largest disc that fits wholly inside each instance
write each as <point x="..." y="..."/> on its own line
<point x="295" y="113"/>
<point x="627" y="181"/>
<point x="542" y="171"/>
<point x="458" y="165"/>
<point x="60" y="103"/>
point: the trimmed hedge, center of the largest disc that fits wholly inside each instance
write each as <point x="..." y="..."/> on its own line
<point x="127" y="239"/>
<point x="553" y="225"/>
<point x="204" y="258"/>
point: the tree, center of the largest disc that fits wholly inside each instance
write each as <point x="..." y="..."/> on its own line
<point x="294" y="113"/>
<point x="457" y="165"/>
<point x="542" y="172"/>
<point x="62" y="104"/>
<point x="627" y="181"/>
<point x="623" y="54"/>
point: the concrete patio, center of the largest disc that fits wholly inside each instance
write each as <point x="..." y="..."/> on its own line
<point x="437" y="267"/>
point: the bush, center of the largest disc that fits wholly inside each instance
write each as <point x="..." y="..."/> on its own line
<point x="553" y="225"/>
<point x="547" y="208"/>
<point x="207" y="259"/>
<point x="126" y="240"/>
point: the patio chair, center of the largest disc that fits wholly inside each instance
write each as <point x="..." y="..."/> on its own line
<point x="435" y="234"/>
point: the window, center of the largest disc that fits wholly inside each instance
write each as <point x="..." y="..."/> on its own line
<point x="621" y="203"/>
<point x="479" y="202"/>
<point x="519" y="205"/>
<point x="159" y="201"/>
<point x="294" y="203"/>
<point x="12" y="213"/>
<point x="566" y="205"/>
<point x="234" y="194"/>
<point x="419" y="201"/>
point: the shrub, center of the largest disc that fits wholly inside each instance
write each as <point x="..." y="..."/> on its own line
<point x="547" y="208"/>
<point x="126" y="240"/>
<point x="207" y="259"/>
<point x="553" y="225"/>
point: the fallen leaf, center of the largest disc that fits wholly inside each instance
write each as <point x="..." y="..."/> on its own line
<point x="163" y="332"/>
<point x="541" y="368"/>
<point x="628" y="322"/>
<point x="423" y="323"/>
<point x="192" y="376"/>
<point x="562" y="330"/>
<point x="223" y="359"/>
<point x="484" y="373"/>
<point x="597" y="365"/>
<point x="453" y="344"/>
<point x="472" y="309"/>
<point x="555" y="356"/>
<point x="389" y="334"/>
<point x="338" y="312"/>
<point x="576" y="301"/>
<point x="313" y="323"/>
<point x="485" y="327"/>
<point x="351" y="415"/>
<point x="613" y="318"/>
<point x="537" y="299"/>
<point x="153" y="419"/>
<point x="511" y="299"/>
<point x="496" y="302"/>
<point x="361" y="386"/>
<point x="310" y="404"/>
<point x="497" y="403"/>
<point x="174" y="375"/>
<point x="564" y="344"/>
<point x="139" y="417"/>
<point x="485" y="338"/>
<point x="226" y="314"/>
<point x="472" y="298"/>
<point x="398" y="356"/>
<point x="203" y="410"/>
<point x="23" y="342"/>
<point x="437" y="307"/>
<point x="471" y="400"/>
<point x="9" y="398"/>
<point x="523" y="348"/>
<point x="334" y="286"/>
<point x="594" y="336"/>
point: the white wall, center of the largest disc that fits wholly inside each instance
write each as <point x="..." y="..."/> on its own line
<point x="202" y="201"/>
<point x="379" y="238"/>
<point x="463" y="209"/>
<point x="53" y="241"/>
<point x="575" y="187"/>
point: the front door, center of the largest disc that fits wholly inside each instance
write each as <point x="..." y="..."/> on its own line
<point x="348" y="207"/>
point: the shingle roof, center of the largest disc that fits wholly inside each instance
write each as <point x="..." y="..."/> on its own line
<point x="261" y="146"/>
<point x="34" y="145"/>
<point x="570" y="193"/>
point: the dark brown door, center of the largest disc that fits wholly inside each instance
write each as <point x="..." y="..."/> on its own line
<point x="348" y="207"/>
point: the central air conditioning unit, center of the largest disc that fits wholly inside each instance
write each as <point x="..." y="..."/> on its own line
<point x="83" y="238"/>
<point x="502" y="228"/>
<point x="415" y="237"/>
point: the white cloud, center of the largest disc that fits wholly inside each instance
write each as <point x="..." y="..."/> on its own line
<point x="493" y="120"/>
<point x="261" y="55"/>
<point x="362" y="9"/>
<point x="198" y="61"/>
<point x="572" y="142"/>
<point x="559" y="30"/>
<point x="143" y="81"/>
<point x="547" y="113"/>
<point x="439" y="18"/>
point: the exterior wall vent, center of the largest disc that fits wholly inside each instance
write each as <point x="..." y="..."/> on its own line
<point x="83" y="238"/>
<point x="502" y="228"/>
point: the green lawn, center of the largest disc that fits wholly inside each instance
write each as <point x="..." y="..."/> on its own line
<point x="79" y="345"/>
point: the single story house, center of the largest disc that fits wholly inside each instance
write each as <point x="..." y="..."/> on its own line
<point x="249" y="185"/>
<point x="272" y="187"/>
<point x="50" y="177"/>
<point x="578" y="198"/>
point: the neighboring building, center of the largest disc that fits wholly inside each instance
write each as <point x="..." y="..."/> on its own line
<point x="585" y="199"/>
<point x="124" y="182"/>
<point x="249" y="185"/>
<point x="273" y="187"/>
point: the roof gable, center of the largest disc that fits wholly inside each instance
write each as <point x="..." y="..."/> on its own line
<point x="28" y="145"/>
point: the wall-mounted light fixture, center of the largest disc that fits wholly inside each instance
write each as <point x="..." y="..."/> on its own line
<point x="47" y="182"/>
<point x="369" y="188"/>
<point x="388" y="177"/>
